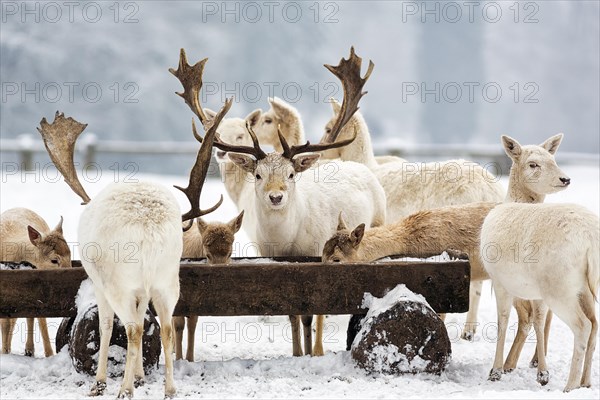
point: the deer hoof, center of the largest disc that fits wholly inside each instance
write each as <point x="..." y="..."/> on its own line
<point x="495" y="374"/>
<point x="125" y="394"/>
<point x="467" y="336"/>
<point x="98" y="389"/>
<point x="543" y="377"/>
<point x="533" y="364"/>
<point x="28" y="353"/>
<point x="139" y="381"/>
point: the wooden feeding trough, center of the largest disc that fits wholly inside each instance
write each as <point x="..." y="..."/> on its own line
<point x="248" y="286"/>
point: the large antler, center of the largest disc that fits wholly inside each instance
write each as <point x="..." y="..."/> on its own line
<point x="255" y="150"/>
<point x="348" y="72"/>
<point x="59" y="138"/>
<point x="191" y="79"/>
<point x="290" y="152"/>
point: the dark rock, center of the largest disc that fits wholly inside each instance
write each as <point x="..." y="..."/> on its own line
<point x="63" y="333"/>
<point x="84" y="343"/>
<point x="403" y="336"/>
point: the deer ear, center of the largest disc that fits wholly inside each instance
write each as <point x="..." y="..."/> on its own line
<point x="244" y="162"/>
<point x="335" y="106"/>
<point x="511" y="146"/>
<point x="341" y="223"/>
<point x="253" y="117"/>
<point x="281" y="108"/>
<point x="210" y="114"/>
<point x="59" y="226"/>
<point x="357" y="235"/>
<point x="236" y="223"/>
<point x="34" y="236"/>
<point x="304" y="162"/>
<point x="202" y="225"/>
<point x="552" y="143"/>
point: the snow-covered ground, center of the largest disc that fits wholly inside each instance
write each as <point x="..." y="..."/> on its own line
<point x="251" y="357"/>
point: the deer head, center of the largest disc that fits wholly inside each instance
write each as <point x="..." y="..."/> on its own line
<point x="534" y="167"/>
<point x="51" y="248"/>
<point x="217" y="238"/>
<point x="276" y="173"/>
<point x="344" y="244"/>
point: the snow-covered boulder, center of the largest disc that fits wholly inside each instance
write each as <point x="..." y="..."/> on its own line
<point x="401" y="334"/>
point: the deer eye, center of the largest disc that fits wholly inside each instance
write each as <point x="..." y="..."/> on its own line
<point x="291" y="176"/>
<point x="54" y="261"/>
<point x="268" y="120"/>
<point x="533" y="165"/>
<point x="240" y="137"/>
<point x="258" y="177"/>
<point x="327" y="130"/>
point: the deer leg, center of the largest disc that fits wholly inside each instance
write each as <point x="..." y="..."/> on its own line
<point x="164" y="306"/>
<point x="191" y="332"/>
<point x="587" y="304"/>
<point x="503" y="305"/>
<point x="296" y="348"/>
<point x="7" y="326"/>
<point x="29" y="346"/>
<point x="178" y="326"/>
<point x="318" y="349"/>
<point x="534" y="360"/>
<point x="105" y="320"/>
<point x="539" y="311"/>
<point x="307" y="329"/>
<point x="471" y="322"/>
<point x="523" y="313"/>
<point x="43" y="324"/>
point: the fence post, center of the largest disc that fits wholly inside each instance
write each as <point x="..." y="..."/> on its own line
<point x="26" y="143"/>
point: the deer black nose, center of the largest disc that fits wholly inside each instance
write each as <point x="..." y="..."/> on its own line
<point x="221" y="154"/>
<point x="565" y="181"/>
<point x="276" y="199"/>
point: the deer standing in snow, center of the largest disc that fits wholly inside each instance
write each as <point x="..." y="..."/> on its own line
<point x="296" y="213"/>
<point x="213" y="240"/>
<point x="558" y="268"/>
<point x="142" y="215"/>
<point x="25" y="236"/>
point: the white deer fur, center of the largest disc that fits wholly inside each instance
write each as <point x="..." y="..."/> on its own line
<point x="213" y="240"/>
<point x="296" y="211"/>
<point x="143" y="221"/>
<point x="25" y="236"/>
<point x="545" y="253"/>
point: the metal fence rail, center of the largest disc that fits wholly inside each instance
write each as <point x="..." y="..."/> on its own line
<point x="26" y="146"/>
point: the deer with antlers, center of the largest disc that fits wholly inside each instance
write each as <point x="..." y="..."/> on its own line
<point x="142" y="215"/>
<point x="296" y="212"/>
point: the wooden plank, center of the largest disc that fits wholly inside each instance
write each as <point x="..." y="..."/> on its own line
<point x="247" y="288"/>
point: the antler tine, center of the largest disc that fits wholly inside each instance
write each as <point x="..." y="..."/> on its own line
<point x="191" y="79"/>
<point x="348" y="72"/>
<point x="200" y="168"/>
<point x="59" y="138"/>
<point x="289" y="153"/>
<point x="255" y="150"/>
<point x="195" y="132"/>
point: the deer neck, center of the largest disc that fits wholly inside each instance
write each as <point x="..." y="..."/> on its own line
<point x="518" y="191"/>
<point x="381" y="242"/>
<point x="361" y="150"/>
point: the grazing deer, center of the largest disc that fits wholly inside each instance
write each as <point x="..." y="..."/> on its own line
<point x="141" y="216"/>
<point x="213" y="240"/>
<point x="25" y="236"/>
<point x="295" y="212"/>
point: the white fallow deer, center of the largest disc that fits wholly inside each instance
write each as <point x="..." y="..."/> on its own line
<point x="456" y="228"/>
<point x="25" y="236"/>
<point x="213" y="240"/>
<point x="297" y="212"/>
<point x="556" y="266"/>
<point x="143" y="215"/>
